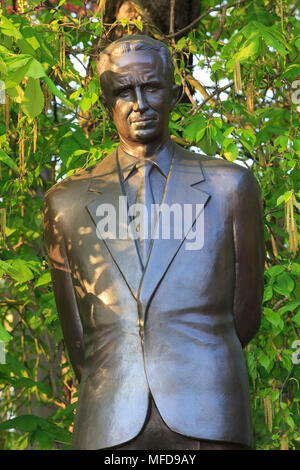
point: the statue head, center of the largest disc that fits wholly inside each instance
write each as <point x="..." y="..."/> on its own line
<point x="137" y="81"/>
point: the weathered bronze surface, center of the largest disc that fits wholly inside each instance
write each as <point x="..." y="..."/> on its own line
<point x="170" y="328"/>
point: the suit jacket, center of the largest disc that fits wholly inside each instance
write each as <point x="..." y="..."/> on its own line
<point x="175" y="330"/>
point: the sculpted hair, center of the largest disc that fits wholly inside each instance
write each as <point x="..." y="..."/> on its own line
<point x="134" y="43"/>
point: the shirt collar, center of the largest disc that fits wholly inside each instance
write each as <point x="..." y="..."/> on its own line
<point x="162" y="159"/>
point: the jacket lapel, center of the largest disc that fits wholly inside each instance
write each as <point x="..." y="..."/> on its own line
<point x="105" y="184"/>
<point x="183" y="188"/>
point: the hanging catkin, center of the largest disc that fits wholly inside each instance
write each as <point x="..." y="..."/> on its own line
<point x="62" y="52"/>
<point x="290" y="223"/>
<point x="268" y="412"/>
<point x="21" y="6"/>
<point x="237" y="76"/>
<point x="34" y="135"/>
<point x="2" y="222"/>
<point x="22" y="153"/>
<point x="102" y="5"/>
<point x="280" y="9"/>
<point x="7" y="116"/>
<point x="19" y="114"/>
<point x="284" y="443"/>
<point x="250" y="98"/>
<point x="47" y="97"/>
<point x="273" y="243"/>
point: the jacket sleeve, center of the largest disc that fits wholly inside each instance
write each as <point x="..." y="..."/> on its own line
<point x="249" y="257"/>
<point x="62" y="284"/>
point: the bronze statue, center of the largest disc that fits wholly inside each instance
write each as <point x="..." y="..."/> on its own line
<point x="155" y="326"/>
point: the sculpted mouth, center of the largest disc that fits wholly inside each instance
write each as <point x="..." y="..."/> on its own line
<point x="144" y="119"/>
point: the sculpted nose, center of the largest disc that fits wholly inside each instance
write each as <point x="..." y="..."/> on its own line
<point x="140" y="103"/>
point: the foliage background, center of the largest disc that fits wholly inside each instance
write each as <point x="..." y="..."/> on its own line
<point x="52" y="124"/>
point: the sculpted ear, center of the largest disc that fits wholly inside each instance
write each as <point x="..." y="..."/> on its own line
<point x="175" y="96"/>
<point x="105" y="105"/>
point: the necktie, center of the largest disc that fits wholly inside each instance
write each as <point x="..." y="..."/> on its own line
<point x="145" y="221"/>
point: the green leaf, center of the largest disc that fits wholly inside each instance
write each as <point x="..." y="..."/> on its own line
<point x="218" y="136"/>
<point x="35" y="69"/>
<point x="124" y="22"/>
<point x="20" y="271"/>
<point x="271" y="41"/>
<point x="25" y="47"/>
<point x="296" y="319"/>
<point x="200" y="134"/>
<point x="8" y="161"/>
<point x="280" y="200"/>
<point x="268" y="293"/>
<point x="43" y="280"/>
<point x="295" y="269"/>
<point x="231" y="152"/>
<point x="10" y="270"/>
<point x="44" y="438"/>
<point x="274" y="318"/>
<point x="228" y="131"/>
<point x="265" y="361"/>
<point x="30" y="37"/>
<point x="194" y="127"/>
<point x="24" y="423"/>
<point x="233" y="43"/>
<point x="58" y="93"/>
<point x="138" y="24"/>
<point x="87" y="101"/>
<point x="219" y="123"/>
<point x="7" y="28"/>
<point x="21" y="442"/>
<point x="282" y="140"/>
<point x="275" y="270"/>
<point x="3" y="68"/>
<point x="15" y="77"/>
<point x="289" y="307"/>
<point x="4" y="335"/>
<point x="46" y="53"/>
<point x="16" y="94"/>
<point x="207" y="144"/>
<point x="289" y="420"/>
<point x="274" y="395"/>
<point x="250" y="48"/>
<point x="284" y="284"/>
<point x="33" y="100"/>
<point x="291" y="71"/>
<point x="76" y="94"/>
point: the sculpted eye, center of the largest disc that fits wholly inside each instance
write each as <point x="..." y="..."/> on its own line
<point x="124" y="93"/>
<point x="151" y="88"/>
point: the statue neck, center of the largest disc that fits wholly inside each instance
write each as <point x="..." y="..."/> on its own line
<point x="140" y="150"/>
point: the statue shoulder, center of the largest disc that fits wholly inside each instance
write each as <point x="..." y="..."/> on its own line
<point x="73" y="188"/>
<point x="217" y="171"/>
<point x="66" y="188"/>
<point x="225" y="177"/>
<point x="219" y="168"/>
<point x="63" y="195"/>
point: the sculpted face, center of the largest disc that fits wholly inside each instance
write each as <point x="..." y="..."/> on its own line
<point x="139" y="95"/>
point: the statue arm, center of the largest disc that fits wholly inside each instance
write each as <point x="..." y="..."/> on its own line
<point x="249" y="258"/>
<point x="63" y="286"/>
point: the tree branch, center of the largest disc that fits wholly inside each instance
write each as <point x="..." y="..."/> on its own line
<point x="218" y="33"/>
<point x="199" y="18"/>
